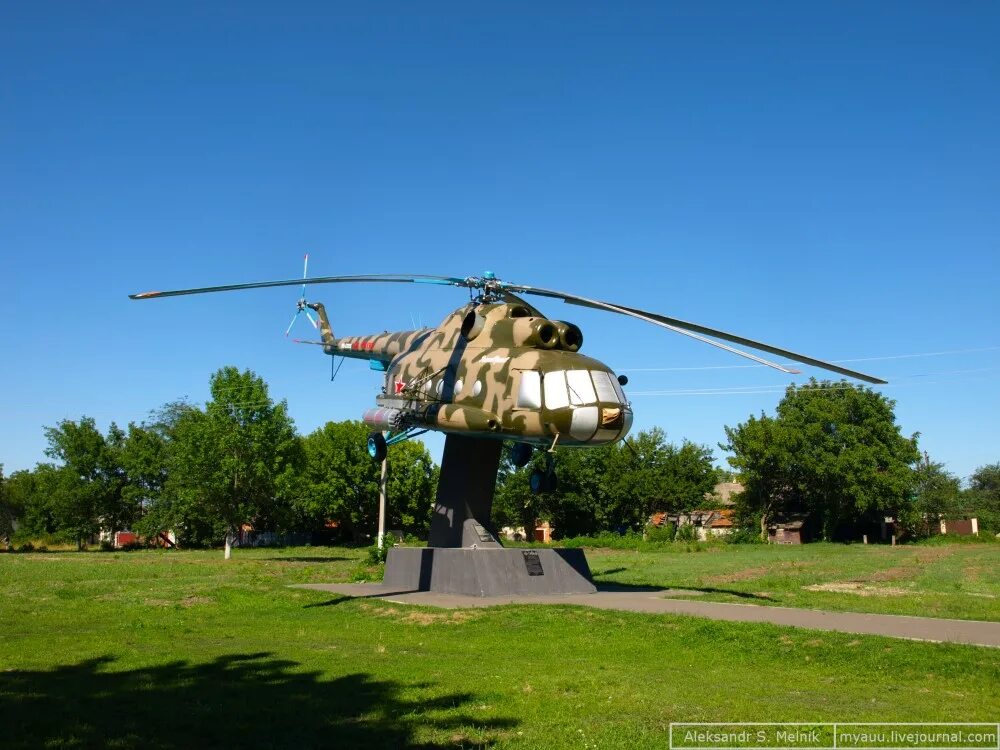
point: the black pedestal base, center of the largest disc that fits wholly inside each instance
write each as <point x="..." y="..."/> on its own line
<point x="488" y="572"/>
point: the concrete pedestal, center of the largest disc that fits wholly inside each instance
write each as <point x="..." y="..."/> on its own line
<point x="464" y="500"/>
<point x="464" y="554"/>
<point x="488" y="572"/>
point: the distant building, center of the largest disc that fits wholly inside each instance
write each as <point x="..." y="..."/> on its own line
<point x="786" y="531"/>
<point x="543" y="532"/>
<point x="706" y="523"/>
<point x="723" y="492"/>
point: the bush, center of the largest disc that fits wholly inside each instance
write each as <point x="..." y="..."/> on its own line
<point x="664" y="533"/>
<point x="686" y="533"/>
<point x="744" y="535"/>
<point x="943" y="539"/>
<point x="377" y="555"/>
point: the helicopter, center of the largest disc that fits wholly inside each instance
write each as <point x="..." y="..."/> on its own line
<point x="498" y="368"/>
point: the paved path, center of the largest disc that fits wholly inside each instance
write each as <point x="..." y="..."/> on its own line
<point x="973" y="632"/>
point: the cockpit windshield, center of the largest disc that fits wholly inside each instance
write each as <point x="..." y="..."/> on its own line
<point x="580" y="387"/>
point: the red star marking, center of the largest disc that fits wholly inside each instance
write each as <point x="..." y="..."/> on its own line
<point x="400" y="385"/>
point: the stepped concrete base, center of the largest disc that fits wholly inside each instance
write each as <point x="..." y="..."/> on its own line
<point x="488" y="572"/>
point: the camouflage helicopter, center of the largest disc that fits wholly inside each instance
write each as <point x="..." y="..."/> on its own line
<point x="498" y="368"/>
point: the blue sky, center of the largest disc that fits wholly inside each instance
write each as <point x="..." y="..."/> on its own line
<point x="822" y="176"/>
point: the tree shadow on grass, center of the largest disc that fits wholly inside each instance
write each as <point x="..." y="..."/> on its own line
<point x="240" y="700"/>
<point x="328" y="559"/>
<point x="729" y="592"/>
<point x="623" y="588"/>
<point x="614" y="586"/>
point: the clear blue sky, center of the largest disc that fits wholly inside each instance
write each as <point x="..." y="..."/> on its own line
<point x="823" y="176"/>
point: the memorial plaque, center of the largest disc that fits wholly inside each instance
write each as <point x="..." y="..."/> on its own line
<point x="484" y="535"/>
<point x="533" y="564"/>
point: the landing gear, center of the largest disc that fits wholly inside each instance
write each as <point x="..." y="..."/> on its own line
<point x="520" y="454"/>
<point x="543" y="481"/>
<point x="377" y="447"/>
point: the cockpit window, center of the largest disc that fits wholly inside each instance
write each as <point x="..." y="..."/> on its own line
<point x="581" y="389"/>
<point x="556" y="396"/>
<point x="529" y="394"/>
<point x="605" y="383"/>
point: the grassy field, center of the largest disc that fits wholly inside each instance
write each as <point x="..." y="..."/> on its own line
<point x="938" y="580"/>
<point x="183" y="649"/>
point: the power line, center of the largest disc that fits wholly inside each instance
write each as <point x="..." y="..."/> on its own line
<point x="780" y="388"/>
<point x="835" y="361"/>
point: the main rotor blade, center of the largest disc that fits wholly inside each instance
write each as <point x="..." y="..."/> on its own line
<point x="387" y="278"/>
<point x="694" y="329"/>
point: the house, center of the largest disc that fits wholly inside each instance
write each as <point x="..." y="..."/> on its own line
<point x="543" y="532"/>
<point x="787" y="531"/>
<point x="960" y="526"/>
<point x="706" y="523"/>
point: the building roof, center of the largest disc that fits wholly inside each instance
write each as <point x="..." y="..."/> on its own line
<point x="724" y="491"/>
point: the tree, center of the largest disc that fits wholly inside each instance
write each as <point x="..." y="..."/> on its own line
<point x="340" y="482"/>
<point x="29" y="494"/>
<point x="609" y="488"/>
<point x="937" y="494"/>
<point x="833" y="452"/>
<point x="235" y="460"/>
<point x="8" y="512"/>
<point x="89" y="492"/>
<point x="982" y="499"/>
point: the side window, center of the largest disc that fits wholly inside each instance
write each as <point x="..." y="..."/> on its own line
<point x="556" y="396"/>
<point x="529" y="393"/>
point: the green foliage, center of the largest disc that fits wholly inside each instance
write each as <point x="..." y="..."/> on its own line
<point x="662" y="533"/>
<point x="9" y="512"/>
<point x="377" y="553"/>
<point x="340" y="482"/>
<point x="746" y="534"/>
<point x="833" y="451"/>
<point x="233" y="463"/>
<point x="611" y="488"/>
<point x="87" y="489"/>
<point x="686" y="533"/>
<point x="982" y="499"/>
<point x="937" y="494"/>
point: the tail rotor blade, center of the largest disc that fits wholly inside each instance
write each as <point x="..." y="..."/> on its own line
<point x="289" y="329"/>
<point x="311" y="319"/>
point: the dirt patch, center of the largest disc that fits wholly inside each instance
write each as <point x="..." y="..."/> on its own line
<point x="447" y="618"/>
<point x="932" y="554"/>
<point x="416" y="617"/>
<point x="894" y="574"/>
<point x="158" y="602"/>
<point x="858" y="588"/>
<point x="191" y="601"/>
<point x="749" y="574"/>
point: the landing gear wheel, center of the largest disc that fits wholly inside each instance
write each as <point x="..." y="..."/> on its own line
<point x="520" y="454"/>
<point x="537" y="482"/>
<point x="377" y="448"/>
<point x="551" y="482"/>
<point x="543" y="481"/>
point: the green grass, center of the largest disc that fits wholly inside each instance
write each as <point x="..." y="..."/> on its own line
<point x="938" y="580"/>
<point x="183" y="649"/>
